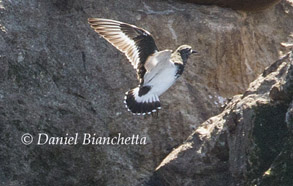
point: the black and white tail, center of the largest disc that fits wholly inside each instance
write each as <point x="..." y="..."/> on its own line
<point x="141" y="102"/>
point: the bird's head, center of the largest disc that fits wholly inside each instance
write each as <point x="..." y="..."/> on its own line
<point x="185" y="51"/>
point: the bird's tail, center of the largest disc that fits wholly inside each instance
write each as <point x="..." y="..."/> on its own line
<point x="140" y="101"/>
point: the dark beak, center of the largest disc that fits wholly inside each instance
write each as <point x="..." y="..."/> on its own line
<point x="194" y="52"/>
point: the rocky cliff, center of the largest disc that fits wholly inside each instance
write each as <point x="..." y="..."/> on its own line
<point x="58" y="77"/>
<point x="249" y="143"/>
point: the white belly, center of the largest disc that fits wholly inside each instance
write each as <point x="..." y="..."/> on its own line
<point x="162" y="80"/>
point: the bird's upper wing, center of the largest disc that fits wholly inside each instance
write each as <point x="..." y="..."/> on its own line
<point x="160" y="60"/>
<point x="157" y="58"/>
<point x="136" y="43"/>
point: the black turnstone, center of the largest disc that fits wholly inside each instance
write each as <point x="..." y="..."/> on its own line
<point x="156" y="70"/>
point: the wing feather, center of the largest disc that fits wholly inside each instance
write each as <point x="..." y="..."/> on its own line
<point x="136" y="43"/>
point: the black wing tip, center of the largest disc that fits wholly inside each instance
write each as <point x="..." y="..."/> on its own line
<point x="140" y="109"/>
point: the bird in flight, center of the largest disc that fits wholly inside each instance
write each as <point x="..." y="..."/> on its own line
<point x="156" y="70"/>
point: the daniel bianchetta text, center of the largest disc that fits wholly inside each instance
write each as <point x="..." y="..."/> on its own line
<point x="85" y="139"/>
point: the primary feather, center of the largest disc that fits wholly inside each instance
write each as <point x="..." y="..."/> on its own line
<point x="136" y="43"/>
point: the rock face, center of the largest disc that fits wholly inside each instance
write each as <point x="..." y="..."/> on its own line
<point x="58" y="77"/>
<point x="249" y="143"/>
<point x="247" y="5"/>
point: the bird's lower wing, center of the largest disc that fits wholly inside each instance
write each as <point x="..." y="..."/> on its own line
<point x="141" y="102"/>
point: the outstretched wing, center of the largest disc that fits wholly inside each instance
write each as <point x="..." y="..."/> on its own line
<point x="136" y="43"/>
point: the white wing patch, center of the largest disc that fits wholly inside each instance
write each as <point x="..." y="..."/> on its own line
<point x="111" y="31"/>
